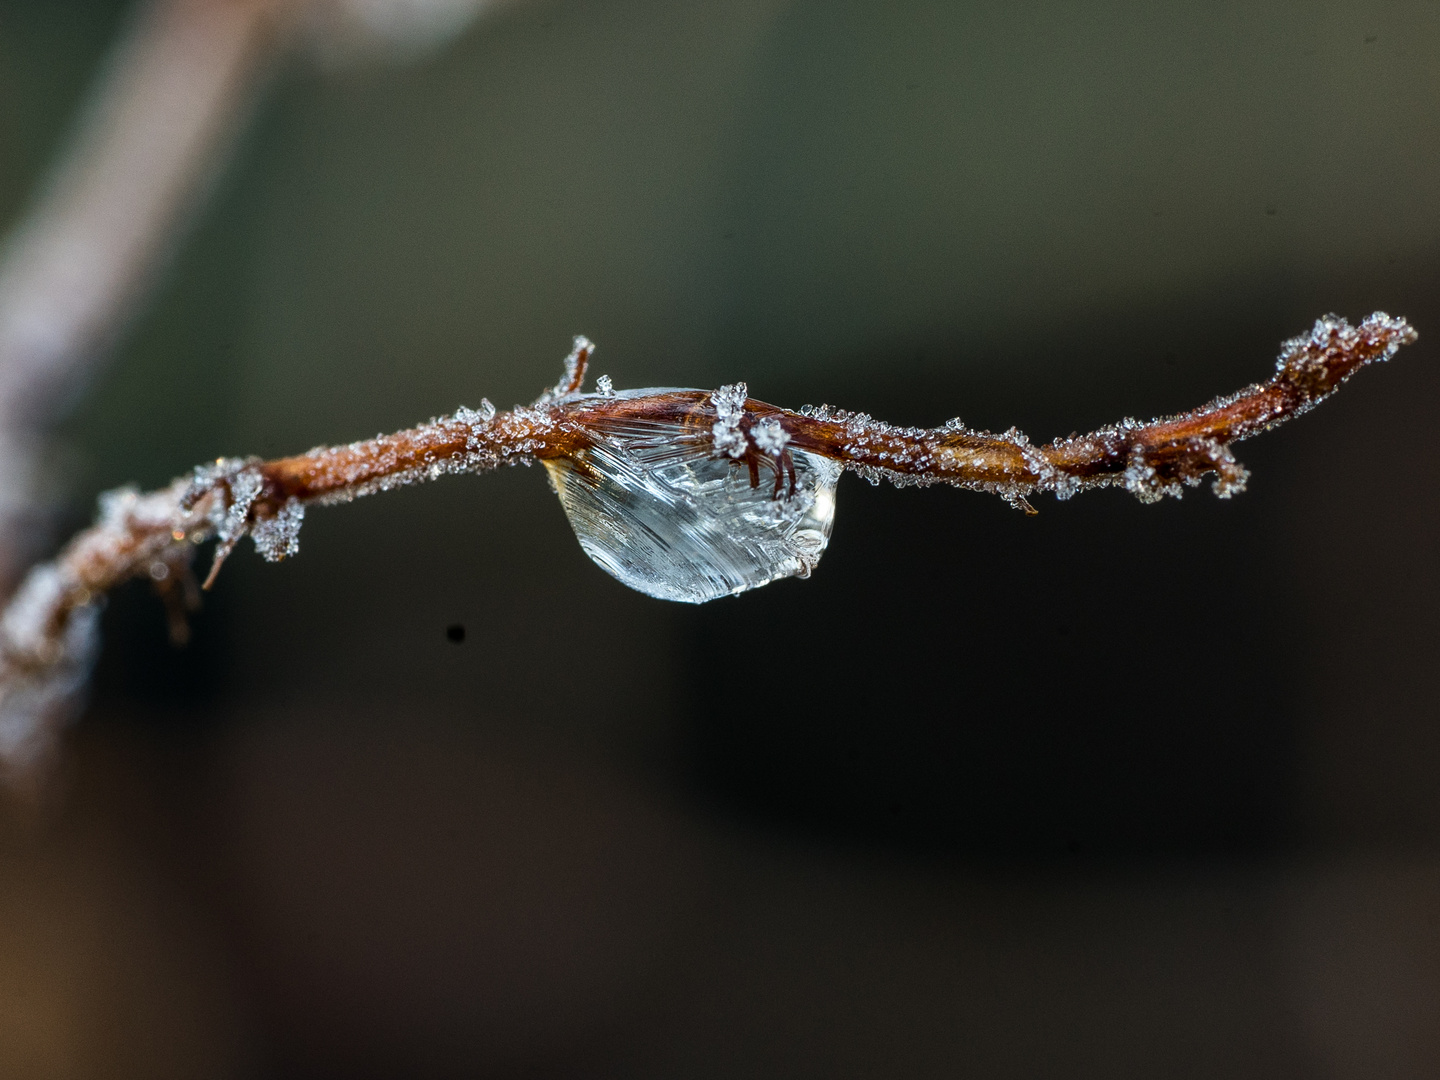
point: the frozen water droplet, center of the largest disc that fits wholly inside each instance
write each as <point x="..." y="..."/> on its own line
<point x="655" y="508"/>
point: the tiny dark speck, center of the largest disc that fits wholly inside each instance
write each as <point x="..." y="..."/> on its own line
<point x="455" y="632"/>
<point x="1370" y="39"/>
<point x="1271" y="210"/>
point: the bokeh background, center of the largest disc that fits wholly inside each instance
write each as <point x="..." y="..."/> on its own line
<point x="1117" y="791"/>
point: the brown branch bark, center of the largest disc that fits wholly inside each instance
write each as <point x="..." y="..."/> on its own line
<point x="47" y="636"/>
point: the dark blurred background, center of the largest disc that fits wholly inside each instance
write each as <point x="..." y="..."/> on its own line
<point x="1116" y="791"/>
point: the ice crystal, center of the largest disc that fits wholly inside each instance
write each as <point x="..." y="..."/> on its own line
<point x="667" y="510"/>
<point x="1143" y="481"/>
<point x="476" y="417"/>
<point x="769" y="436"/>
<point x="240" y="482"/>
<point x="604" y="387"/>
<point x="278" y="537"/>
<point x="729" y="405"/>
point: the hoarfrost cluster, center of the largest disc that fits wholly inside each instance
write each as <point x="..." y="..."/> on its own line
<point x="729" y="405"/>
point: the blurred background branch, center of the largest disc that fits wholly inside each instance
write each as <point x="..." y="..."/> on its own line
<point x="155" y="125"/>
<point x="159" y="121"/>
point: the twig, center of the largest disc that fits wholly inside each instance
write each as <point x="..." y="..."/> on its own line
<point x="47" y="635"/>
<point x="80" y="260"/>
<point x="154" y="131"/>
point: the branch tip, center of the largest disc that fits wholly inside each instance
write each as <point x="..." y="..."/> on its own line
<point x="575" y="365"/>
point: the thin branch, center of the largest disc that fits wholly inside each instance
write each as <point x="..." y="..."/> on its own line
<point x="47" y="634"/>
<point x="78" y="263"/>
<point x="154" y="131"/>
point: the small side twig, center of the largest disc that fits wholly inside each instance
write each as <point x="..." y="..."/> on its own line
<point x="47" y="634"/>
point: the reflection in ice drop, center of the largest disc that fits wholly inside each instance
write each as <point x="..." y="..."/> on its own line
<point x="653" y="507"/>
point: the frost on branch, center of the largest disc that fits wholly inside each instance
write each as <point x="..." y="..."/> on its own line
<point x="48" y="634"/>
<point x="729" y="405"/>
<point x="682" y="494"/>
<point x="46" y="666"/>
<point x="1150" y="459"/>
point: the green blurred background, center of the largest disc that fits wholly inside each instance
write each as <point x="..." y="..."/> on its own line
<point x="1114" y="791"/>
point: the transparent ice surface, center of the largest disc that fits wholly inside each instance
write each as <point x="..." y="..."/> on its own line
<point x="654" y="508"/>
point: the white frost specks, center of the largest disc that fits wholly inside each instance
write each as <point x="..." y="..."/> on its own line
<point x="770" y="438"/>
<point x="1304" y="360"/>
<point x="604" y="386"/>
<point x="730" y="400"/>
<point x="235" y="486"/>
<point x="474" y="418"/>
<point x="729" y="432"/>
<point x="575" y="365"/>
<point x="981" y="461"/>
<point x="729" y="404"/>
<point x="1066" y="486"/>
<point x="245" y="488"/>
<point x="1143" y="481"/>
<point x="1230" y="476"/>
<point x="278" y="537"/>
